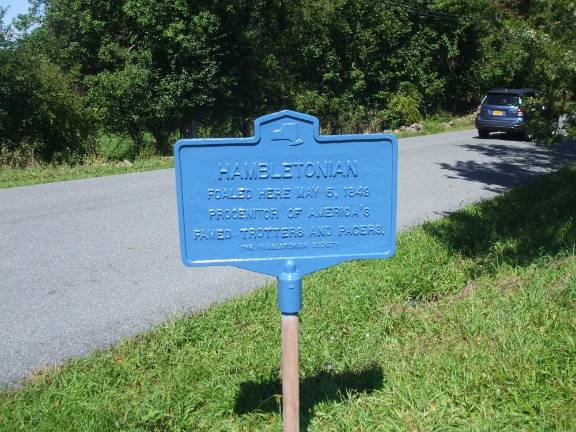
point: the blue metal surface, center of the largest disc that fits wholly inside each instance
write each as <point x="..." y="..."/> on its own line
<point x="287" y="193"/>
<point x="290" y="289"/>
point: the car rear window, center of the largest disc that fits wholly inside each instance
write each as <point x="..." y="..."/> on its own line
<point x="501" y="99"/>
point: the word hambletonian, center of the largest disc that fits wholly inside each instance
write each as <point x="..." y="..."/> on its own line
<point x="287" y="170"/>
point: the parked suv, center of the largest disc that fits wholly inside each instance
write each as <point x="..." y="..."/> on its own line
<point x="501" y="111"/>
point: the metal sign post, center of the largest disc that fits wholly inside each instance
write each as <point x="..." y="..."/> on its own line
<point x="290" y="302"/>
<point x="286" y="202"/>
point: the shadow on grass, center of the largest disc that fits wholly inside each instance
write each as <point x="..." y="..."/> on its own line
<point x="324" y="386"/>
<point x="518" y="227"/>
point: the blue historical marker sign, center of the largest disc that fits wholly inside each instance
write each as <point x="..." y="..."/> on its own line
<point x="287" y="194"/>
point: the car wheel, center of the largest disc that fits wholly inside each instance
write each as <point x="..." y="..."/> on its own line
<point x="483" y="133"/>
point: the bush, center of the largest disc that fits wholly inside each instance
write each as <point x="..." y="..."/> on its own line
<point x="120" y="147"/>
<point x="337" y="114"/>
<point x="116" y="147"/>
<point x="403" y="108"/>
<point x="542" y="120"/>
<point x="41" y="117"/>
<point x="342" y="114"/>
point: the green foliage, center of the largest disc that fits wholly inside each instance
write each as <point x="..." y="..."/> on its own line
<point x="122" y="147"/>
<point x="157" y="67"/>
<point x="148" y="66"/>
<point x="120" y="100"/>
<point x="116" y="147"/>
<point x="571" y="119"/>
<point x="341" y="114"/>
<point x="5" y="31"/>
<point x="542" y="120"/>
<point x="403" y="107"/>
<point x="41" y="116"/>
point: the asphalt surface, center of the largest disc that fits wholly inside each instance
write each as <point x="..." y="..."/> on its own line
<point x="85" y="263"/>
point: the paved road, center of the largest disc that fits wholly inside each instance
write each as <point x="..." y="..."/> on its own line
<point x="85" y="263"/>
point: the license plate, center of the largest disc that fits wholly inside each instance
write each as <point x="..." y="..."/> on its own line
<point x="498" y="113"/>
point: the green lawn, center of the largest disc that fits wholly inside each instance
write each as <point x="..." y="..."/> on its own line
<point x="12" y="177"/>
<point x="471" y="327"/>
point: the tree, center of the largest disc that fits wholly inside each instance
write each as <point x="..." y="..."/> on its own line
<point x="41" y="116"/>
<point x="146" y="65"/>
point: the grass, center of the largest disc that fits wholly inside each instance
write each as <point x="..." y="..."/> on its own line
<point x="441" y="124"/>
<point x="12" y="177"/>
<point x="471" y="327"/>
<point x="118" y="147"/>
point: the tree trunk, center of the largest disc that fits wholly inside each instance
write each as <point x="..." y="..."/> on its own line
<point x="163" y="146"/>
<point x="189" y="129"/>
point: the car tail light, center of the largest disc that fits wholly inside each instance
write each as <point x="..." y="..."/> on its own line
<point x="521" y="112"/>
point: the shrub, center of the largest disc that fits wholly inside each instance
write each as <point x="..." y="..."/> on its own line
<point x="41" y="117"/>
<point x="116" y="147"/>
<point x="337" y="114"/>
<point x="120" y="147"/>
<point x="403" y="108"/>
<point x="542" y="120"/>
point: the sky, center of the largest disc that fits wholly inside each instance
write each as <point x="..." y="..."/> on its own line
<point x="15" y="7"/>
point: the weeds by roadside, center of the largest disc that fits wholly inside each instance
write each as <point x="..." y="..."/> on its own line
<point x="12" y="177"/>
<point x="121" y="157"/>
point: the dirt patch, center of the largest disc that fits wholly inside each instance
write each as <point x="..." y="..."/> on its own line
<point x="509" y="283"/>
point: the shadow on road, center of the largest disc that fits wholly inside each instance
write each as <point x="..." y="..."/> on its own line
<point x="513" y="163"/>
<point x="324" y="386"/>
<point x="518" y="227"/>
